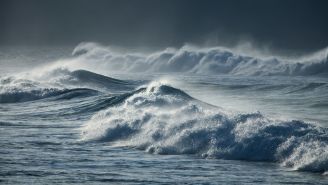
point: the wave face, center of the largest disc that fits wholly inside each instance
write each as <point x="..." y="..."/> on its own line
<point x="164" y="120"/>
<point x="216" y="60"/>
<point x="23" y="96"/>
<point x="58" y="82"/>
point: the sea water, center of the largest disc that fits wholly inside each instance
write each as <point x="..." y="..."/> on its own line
<point x="186" y="116"/>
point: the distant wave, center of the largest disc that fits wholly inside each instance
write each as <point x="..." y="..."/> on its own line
<point x="84" y="76"/>
<point x="215" y="60"/>
<point x="161" y="119"/>
<point x="23" y="96"/>
<point x="62" y="83"/>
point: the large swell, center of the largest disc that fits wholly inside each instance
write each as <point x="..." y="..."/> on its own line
<point x="57" y="82"/>
<point x="161" y="119"/>
<point x="212" y="60"/>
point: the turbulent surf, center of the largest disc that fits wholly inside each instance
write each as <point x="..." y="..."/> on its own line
<point x="102" y="108"/>
<point x="164" y="120"/>
<point x="212" y="60"/>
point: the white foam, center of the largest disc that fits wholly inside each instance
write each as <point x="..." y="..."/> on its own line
<point x="36" y="84"/>
<point x="188" y="59"/>
<point x="164" y="120"/>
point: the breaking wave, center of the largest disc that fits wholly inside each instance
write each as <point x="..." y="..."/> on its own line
<point x="57" y="82"/>
<point x="161" y="119"/>
<point x="215" y="60"/>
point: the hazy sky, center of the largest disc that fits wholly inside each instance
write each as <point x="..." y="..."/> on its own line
<point x="300" y="25"/>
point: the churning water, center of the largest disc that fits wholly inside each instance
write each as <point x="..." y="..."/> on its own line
<point x="193" y="116"/>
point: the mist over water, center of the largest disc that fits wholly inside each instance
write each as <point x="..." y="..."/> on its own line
<point x="163" y="92"/>
<point x="102" y="114"/>
<point x="208" y="61"/>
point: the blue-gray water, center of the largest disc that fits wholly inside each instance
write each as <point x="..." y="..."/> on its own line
<point x="63" y="122"/>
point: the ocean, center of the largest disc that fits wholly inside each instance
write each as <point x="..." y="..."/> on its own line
<point x="176" y="116"/>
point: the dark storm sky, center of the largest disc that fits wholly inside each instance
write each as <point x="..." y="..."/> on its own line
<point x="300" y="25"/>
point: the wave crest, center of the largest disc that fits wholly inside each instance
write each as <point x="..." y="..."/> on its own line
<point x="59" y="81"/>
<point x="163" y="120"/>
<point x="215" y="60"/>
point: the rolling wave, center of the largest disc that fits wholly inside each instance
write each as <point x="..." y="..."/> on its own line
<point x="60" y="94"/>
<point x="161" y="119"/>
<point x="87" y="77"/>
<point x="215" y="60"/>
<point x="59" y="83"/>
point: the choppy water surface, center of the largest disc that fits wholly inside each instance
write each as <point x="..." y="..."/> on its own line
<point x="76" y="124"/>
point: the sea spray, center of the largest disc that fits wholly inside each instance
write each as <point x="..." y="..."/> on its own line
<point x="161" y="119"/>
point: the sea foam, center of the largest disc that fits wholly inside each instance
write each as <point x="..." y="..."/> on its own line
<point x="36" y="85"/>
<point x="161" y="119"/>
<point x="188" y="59"/>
